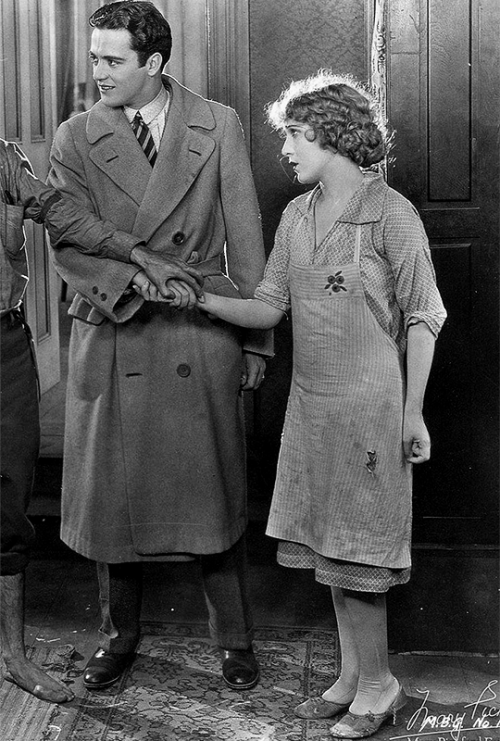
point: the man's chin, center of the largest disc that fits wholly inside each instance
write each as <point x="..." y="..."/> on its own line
<point x="109" y="99"/>
<point x="110" y="103"/>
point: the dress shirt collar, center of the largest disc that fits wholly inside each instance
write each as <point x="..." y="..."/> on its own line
<point x="151" y="110"/>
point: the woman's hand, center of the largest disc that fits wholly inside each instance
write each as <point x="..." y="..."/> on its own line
<point x="146" y="288"/>
<point x="184" y="296"/>
<point x="416" y="439"/>
<point x="177" y="293"/>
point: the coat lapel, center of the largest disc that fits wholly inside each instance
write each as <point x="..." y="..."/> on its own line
<point x="183" y="153"/>
<point x="115" y="150"/>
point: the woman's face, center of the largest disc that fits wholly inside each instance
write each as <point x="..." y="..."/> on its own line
<point x="308" y="158"/>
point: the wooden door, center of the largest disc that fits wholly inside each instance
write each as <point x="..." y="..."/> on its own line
<point x="444" y="79"/>
<point x="26" y="95"/>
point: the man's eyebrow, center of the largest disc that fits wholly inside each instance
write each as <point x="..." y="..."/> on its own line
<point x="107" y="57"/>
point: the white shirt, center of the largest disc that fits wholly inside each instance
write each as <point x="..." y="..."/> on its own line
<point x="154" y="115"/>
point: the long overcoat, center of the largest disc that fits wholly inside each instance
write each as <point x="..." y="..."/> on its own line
<point x="154" y="458"/>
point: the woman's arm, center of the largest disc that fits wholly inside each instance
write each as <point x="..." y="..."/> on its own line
<point x="249" y="312"/>
<point x="419" y="355"/>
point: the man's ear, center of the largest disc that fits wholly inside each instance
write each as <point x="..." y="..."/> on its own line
<point x="154" y="64"/>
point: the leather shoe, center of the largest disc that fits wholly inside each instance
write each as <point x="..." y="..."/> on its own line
<point x="105" y="668"/>
<point x="240" y="669"/>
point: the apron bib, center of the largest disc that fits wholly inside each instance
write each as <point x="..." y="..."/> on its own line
<point x="343" y="486"/>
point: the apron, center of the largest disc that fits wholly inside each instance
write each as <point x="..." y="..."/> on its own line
<point x="343" y="486"/>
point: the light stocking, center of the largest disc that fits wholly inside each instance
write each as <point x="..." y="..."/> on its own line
<point x="344" y="689"/>
<point x="377" y="687"/>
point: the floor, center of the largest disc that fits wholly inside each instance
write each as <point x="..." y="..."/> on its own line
<point x="62" y="609"/>
<point x="62" y="595"/>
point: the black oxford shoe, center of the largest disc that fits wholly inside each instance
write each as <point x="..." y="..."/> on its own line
<point x="104" y="668"/>
<point x="240" y="669"/>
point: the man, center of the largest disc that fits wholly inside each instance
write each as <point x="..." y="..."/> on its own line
<point x="154" y="460"/>
<point x="23" y="196"/>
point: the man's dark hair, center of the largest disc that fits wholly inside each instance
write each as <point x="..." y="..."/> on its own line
<point x="149" y="30"/>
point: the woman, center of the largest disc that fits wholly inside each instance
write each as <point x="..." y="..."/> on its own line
<point x="352" y="261"/>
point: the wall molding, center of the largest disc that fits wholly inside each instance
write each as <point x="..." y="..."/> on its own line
<point x="229" y="56"/>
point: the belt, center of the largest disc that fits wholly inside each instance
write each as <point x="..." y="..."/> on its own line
<point x="212" y="266"/>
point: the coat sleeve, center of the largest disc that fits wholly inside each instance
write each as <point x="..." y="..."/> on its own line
<point x="65" y="220"/>
<point x="244" y="242"/>
<point x="101" y="281"/>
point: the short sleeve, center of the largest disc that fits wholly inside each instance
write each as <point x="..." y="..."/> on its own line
<point x="274" y="288"/>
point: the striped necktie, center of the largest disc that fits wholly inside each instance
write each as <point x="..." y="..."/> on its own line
<point x="144" y="138"/>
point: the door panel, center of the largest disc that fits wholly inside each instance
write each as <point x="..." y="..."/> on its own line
<point x="446" y="161"/>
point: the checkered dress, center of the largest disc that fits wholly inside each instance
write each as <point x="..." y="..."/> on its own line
<point x="350" y="523"/>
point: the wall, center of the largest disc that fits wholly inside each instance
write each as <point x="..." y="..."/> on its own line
<point x="290" y="41"/>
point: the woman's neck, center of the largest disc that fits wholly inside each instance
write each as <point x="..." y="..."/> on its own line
<point x="341" y="181"/>
<point x="337" y="188"/>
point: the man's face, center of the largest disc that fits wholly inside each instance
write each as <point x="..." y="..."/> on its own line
<point x="120" y="80"/>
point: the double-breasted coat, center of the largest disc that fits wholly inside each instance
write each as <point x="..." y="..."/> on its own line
<point x="154" y="458"/>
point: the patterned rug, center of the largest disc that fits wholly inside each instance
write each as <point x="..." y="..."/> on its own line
<point x="174" y="690"/>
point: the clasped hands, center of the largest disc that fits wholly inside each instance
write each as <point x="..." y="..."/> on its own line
<point x="167" y="278"/>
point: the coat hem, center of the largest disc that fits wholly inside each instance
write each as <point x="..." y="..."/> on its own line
<point x="129" y="555"/>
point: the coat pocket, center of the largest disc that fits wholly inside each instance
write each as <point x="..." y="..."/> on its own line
<point x="221" y="285"/>
<point x="81" y="309"/>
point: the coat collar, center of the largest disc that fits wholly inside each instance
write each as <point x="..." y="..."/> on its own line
<point x="195" y="111"/>
<point x="183" y="152"/>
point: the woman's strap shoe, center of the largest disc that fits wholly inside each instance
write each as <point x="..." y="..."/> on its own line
<point x="360" y="726"/>
<point x="318" y="707"/>
<point x="105" y="668"/>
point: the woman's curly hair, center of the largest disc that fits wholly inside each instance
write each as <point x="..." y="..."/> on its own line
<point x="342" y="114"/>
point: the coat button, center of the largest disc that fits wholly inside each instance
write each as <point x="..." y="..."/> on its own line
<point x="183" y="370"/>
<point x="104" y="296"/>
<point x="95" y="289"/>
<point x="178" y="238"/>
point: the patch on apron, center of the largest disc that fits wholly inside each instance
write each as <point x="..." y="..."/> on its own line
<point x="372" y="460"/>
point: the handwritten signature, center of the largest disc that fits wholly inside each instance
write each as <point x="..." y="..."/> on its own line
<point x="476" y="717"/>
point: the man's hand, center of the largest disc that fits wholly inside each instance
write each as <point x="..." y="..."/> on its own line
<point x="252" y="371"/>
<point x="160" y="267"/>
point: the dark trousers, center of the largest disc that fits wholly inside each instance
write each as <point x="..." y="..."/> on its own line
<point x="20" y="439"/>
<point x="225" y="587"/>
